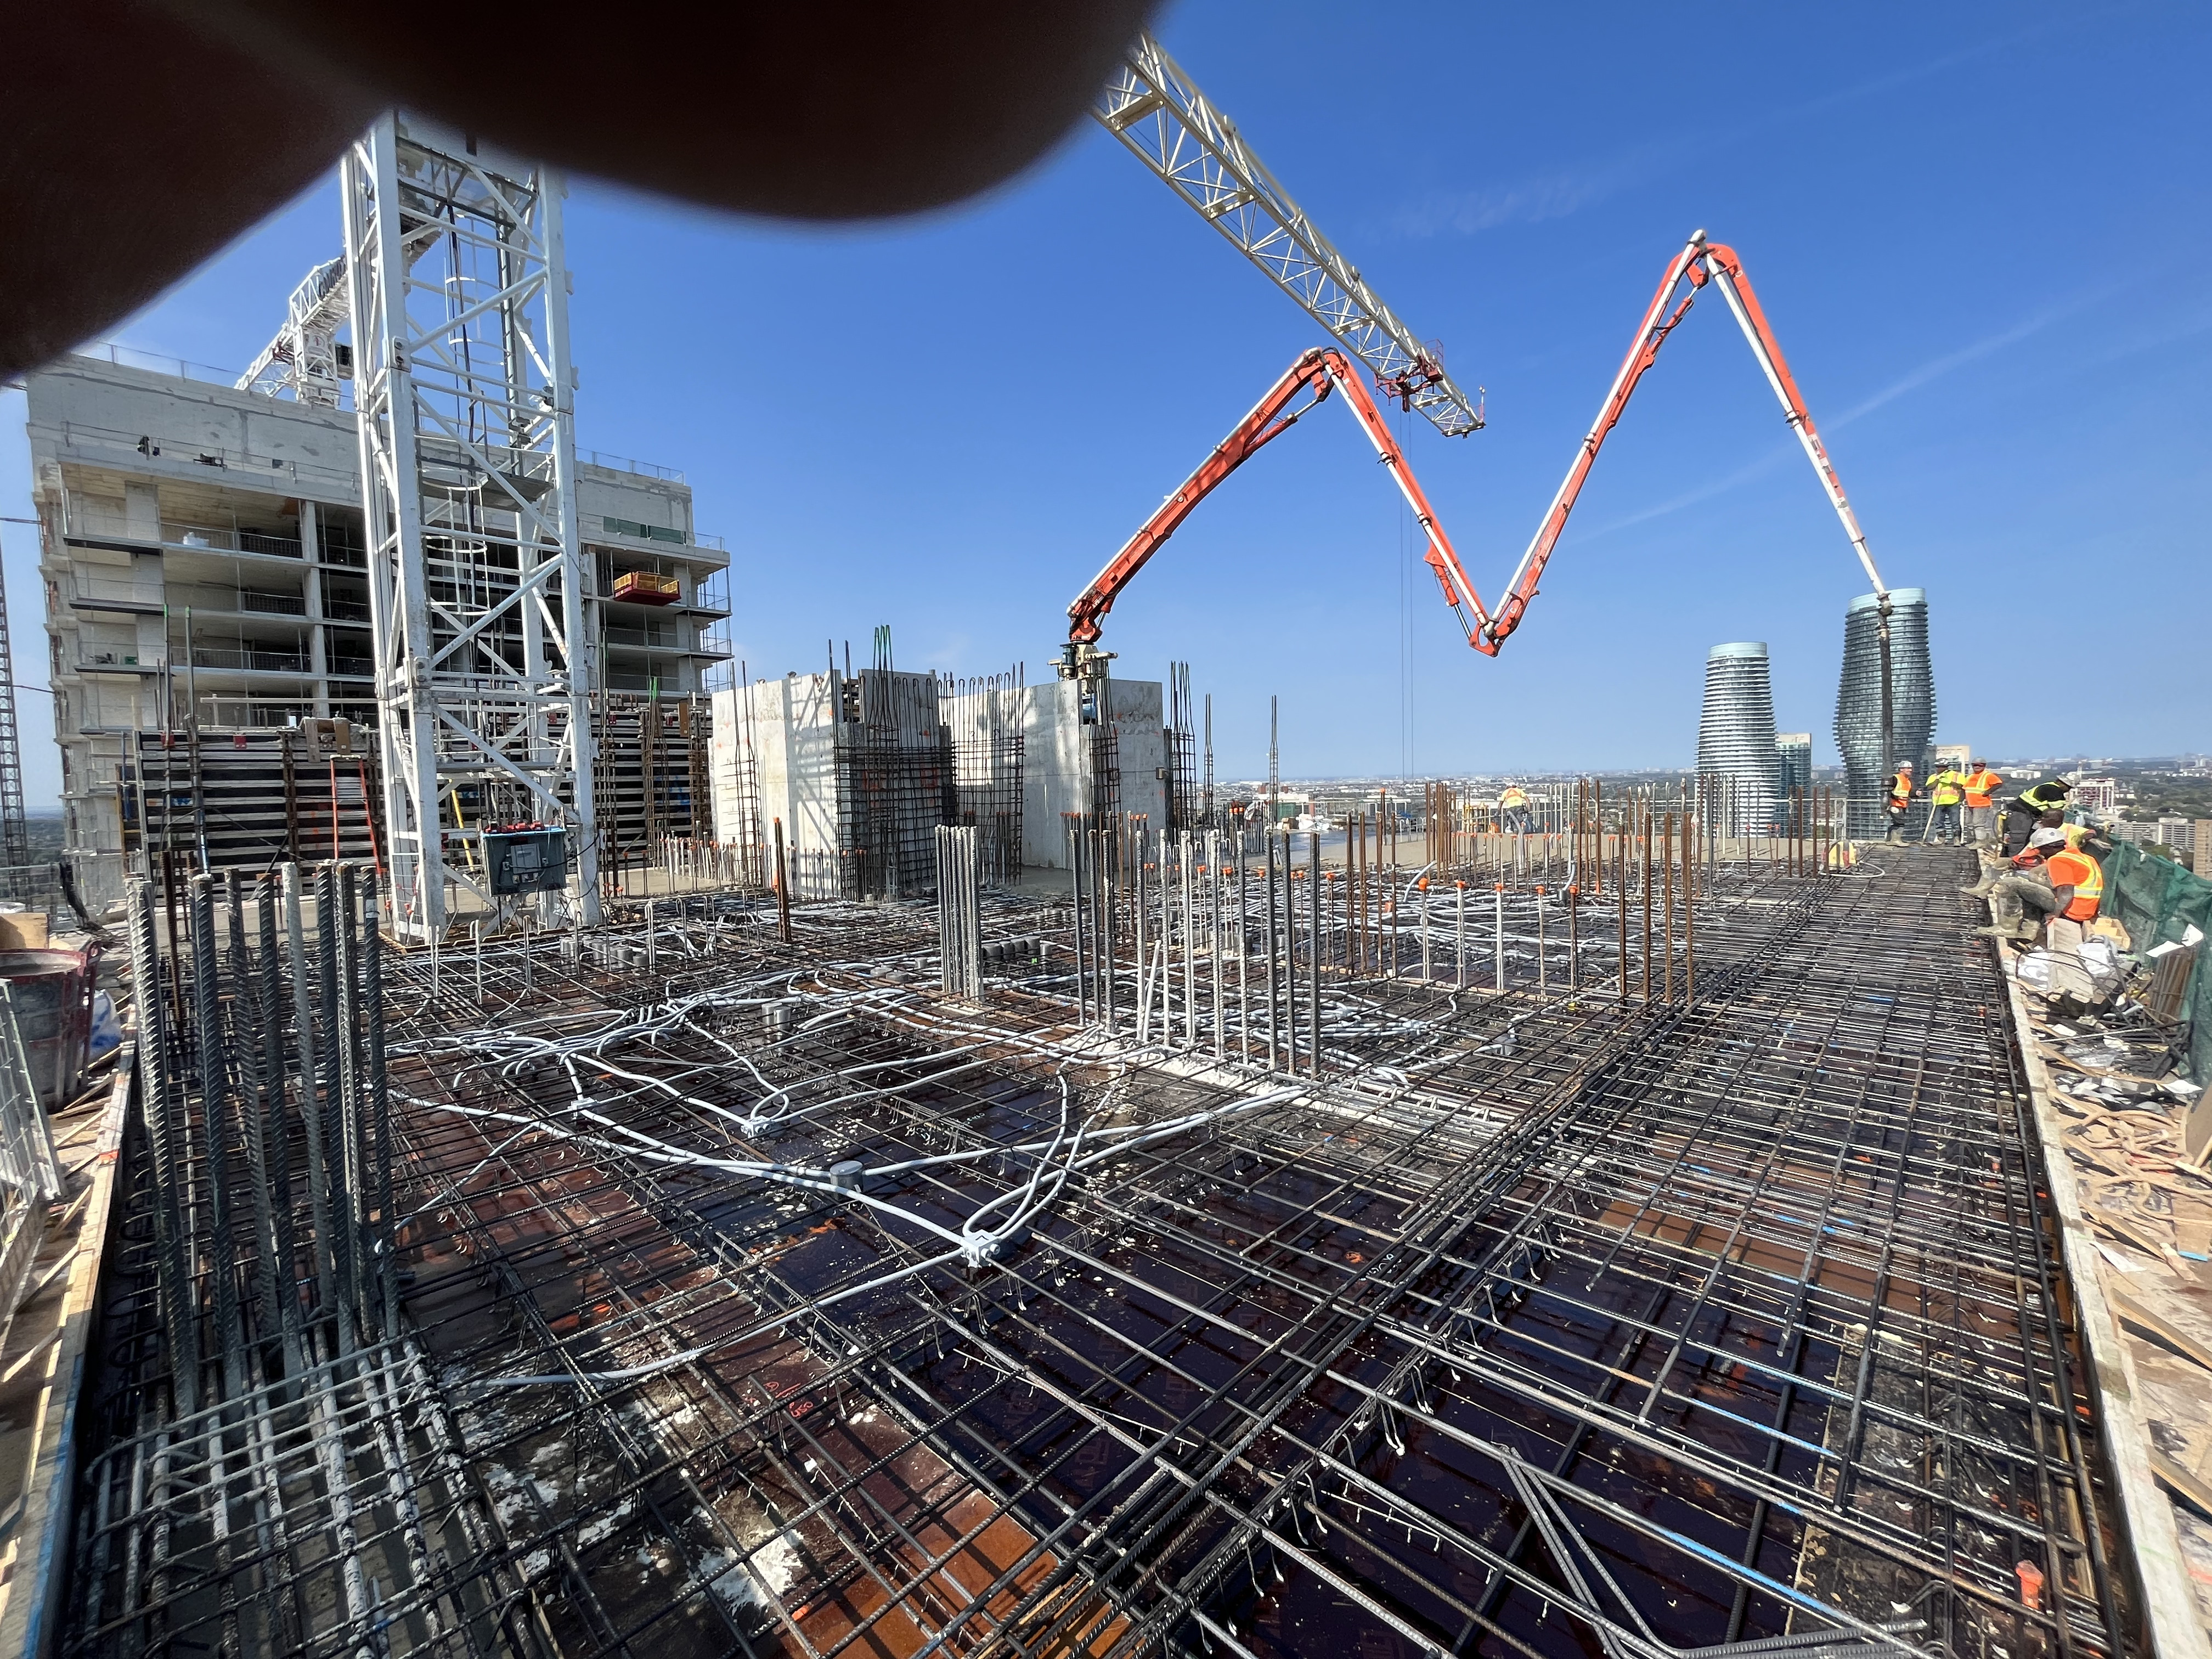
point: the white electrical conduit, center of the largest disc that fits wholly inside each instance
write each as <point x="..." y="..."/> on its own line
<point x="975" y="1246"/>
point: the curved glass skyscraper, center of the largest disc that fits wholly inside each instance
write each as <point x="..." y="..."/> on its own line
<point x="1858" y="703"/>
<point x="1735" y="733"/>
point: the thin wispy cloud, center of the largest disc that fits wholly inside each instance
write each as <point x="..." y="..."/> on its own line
<point x="1469" y="213"/>
<point x="1934" y="369"/>
<point x="1704" y="492"/>
<point x="1557" y="194"/>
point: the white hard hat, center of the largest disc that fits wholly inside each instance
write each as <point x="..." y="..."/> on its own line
<point x="2047" y="838"/>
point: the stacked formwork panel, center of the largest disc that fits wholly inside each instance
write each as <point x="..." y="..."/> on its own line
<point x="652" y="776"/>
<point x="1859" y="704"/>
<point x="247" y="799"/>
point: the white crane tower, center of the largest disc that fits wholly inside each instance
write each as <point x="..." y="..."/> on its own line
<point x="1159" y="113"/>
<point x="465" y="395"/>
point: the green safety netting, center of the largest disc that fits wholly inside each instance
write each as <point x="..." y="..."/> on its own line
<point x="2156" y="900"/>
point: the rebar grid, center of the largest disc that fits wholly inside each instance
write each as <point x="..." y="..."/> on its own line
<point x="1544" y="1318"/>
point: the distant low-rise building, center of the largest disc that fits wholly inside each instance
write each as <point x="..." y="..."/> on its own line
<point x="2096" y="795"/>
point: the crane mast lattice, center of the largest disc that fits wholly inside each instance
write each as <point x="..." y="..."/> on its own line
<point x="1160" y="116"/>
<point x="464" y="393"/>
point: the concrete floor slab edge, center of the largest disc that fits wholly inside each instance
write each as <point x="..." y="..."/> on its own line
<point x="2170" y="1612"/>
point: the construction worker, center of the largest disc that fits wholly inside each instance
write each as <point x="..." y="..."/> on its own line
<point x="1900" y="799"/>
<point x="2050" y="876"/>
<point x="1513" y="808"/>
<point x="1947" y="793"/>
<point x="2026" y="810"/>
<point x="1982" y="813"/>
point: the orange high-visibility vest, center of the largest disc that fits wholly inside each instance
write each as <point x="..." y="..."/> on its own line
<point x="1980" y="786"/>
<point x="1900" y="788"/>
<point x="2084" y="875"/>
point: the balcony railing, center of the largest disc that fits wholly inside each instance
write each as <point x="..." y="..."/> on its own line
<point x="655" y="532"/>
<point x="267" y="662"/>
<point x="132" y="596"/>
<point x="88" y="439"/>
<point x="625" y="464"/>
<point x="648" y="639"/>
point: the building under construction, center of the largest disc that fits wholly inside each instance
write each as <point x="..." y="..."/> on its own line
<point x="1250" y="1262"/>
<point x="883" y="1165"/>
<point x="208" y="605"/>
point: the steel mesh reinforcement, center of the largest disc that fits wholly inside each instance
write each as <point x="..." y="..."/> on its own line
<point x="754" y="1297"/>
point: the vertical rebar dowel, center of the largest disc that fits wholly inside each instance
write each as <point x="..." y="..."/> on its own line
<point x="311" y="1109"/>
<point x="1690" y="850"/>
<point x="276" y="1120"/>
<point x="1268" y="841"/>
<point x="160" y="1115"/>
<point x="783" y="888"/>
<point x="1243" y="951"/>
<point x="1459" y="936"/>
<point x="1666" y="899"/>
<point x="1213" y="932"/>
<point x="1313" y="961"/>
<point x="959" y="919"/>
<point x="1290" y="963"/>
<point x="385" y="1240"/>
<point x="1621" y="895"/>
<point x="1072" y="825"/>
<point x="1644" y="844"/>
<point x="1574" y="939"/>
<point x="1428" y="978"/>
<point x="248" y="1089"/>
<point x="336" y="1144"/>
<point x="1137" y="896"/>
<point x="353" y="1076"/>
<point x="1497" y="949"/>
<point x="1190" y="941"/>
<point x="1543" y="970"/>
<point x="214" y="1081"/>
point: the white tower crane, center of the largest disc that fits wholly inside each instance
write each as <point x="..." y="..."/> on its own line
<point x="1161" y="117"/>
<point x="465" y="395"/>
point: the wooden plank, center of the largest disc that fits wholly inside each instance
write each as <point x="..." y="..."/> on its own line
<point x="2169" y="1599"/>
<point x="2132" y="1312"/>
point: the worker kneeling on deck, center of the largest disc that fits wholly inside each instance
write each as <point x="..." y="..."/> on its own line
<point x="2051" y="876"/>
<point x="1900" y="799"/>
<point x="2025" y="811"/>
<point x="1981" y="785"/>
<point x="1513" y="808"/>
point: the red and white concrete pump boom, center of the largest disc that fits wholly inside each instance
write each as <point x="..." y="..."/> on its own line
<point x="1699" y="261"/>
<point x="1320" y="371"/>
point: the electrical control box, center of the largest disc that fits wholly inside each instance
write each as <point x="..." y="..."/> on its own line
<point x="526" y="859"/>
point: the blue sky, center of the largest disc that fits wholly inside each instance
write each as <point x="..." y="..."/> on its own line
<point x="1980" y="234"/>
